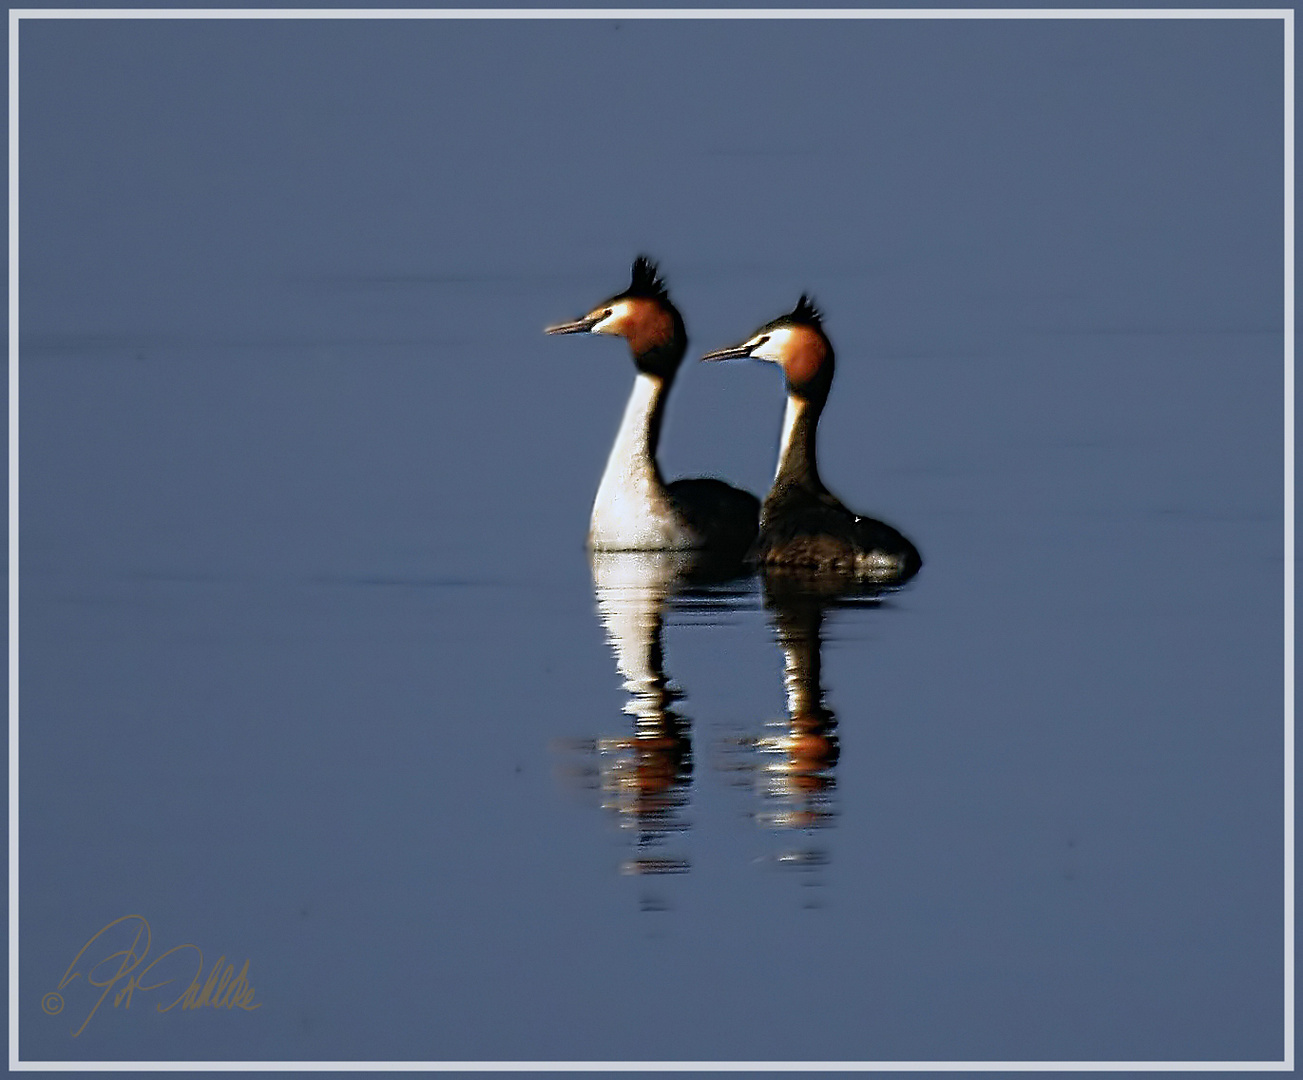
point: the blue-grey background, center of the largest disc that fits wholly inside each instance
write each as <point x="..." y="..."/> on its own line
<point x="308" y="638"/>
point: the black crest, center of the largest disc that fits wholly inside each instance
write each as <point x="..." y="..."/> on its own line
<point x="805" y="312"/>
<point x="646" y="280"/>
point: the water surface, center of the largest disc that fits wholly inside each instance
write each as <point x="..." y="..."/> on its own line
<point x="315" y="670"/>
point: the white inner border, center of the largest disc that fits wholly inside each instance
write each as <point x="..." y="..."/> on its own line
<point x="1285" y="1065"/>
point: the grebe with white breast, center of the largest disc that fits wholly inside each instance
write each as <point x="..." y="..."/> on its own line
<point x="802" y="524"/>
<point x="635" y="510"/>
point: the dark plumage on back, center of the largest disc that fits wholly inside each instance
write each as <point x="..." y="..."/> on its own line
<point x="813" y="529"/>
<point x="710" y="507"/>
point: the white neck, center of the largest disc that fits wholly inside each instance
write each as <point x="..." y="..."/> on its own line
<point x="791" y="415"/>
<point x="632" y="510"/>
<point x="796" y="450"/>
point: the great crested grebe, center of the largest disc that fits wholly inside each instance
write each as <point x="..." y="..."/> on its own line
<point x="802" y="524"/>
<point x="635" y="510"/>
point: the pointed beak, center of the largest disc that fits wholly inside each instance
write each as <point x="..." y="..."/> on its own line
<point x="733" y="352"/>
<point x="579" y="326"/>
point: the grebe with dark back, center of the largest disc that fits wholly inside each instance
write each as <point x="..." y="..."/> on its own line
<point x="635" y="510"/>
<point x="802" y="524"/>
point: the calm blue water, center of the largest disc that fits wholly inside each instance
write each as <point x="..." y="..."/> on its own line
<point x="315" y="671"/>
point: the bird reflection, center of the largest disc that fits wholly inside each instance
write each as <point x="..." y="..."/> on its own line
<point x="645" y="776"/>
<point x="796" y="759"/>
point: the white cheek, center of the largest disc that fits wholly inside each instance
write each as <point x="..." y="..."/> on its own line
<point x="774" y="347"/>
<point x="614" y="322"/>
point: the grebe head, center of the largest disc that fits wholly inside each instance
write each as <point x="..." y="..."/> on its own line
<point x="643" y="316"/>
<point x="797" y="343"/>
